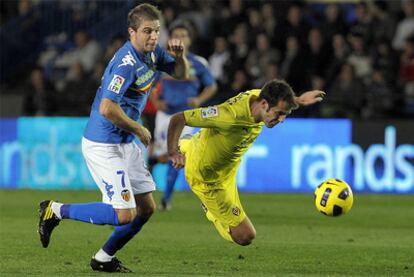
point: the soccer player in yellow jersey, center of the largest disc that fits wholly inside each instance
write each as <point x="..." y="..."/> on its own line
<point x="212" y="156"/>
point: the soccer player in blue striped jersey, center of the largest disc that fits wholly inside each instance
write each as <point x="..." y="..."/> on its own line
<point x="114" y="160"/>
<point x="177" y="96"/>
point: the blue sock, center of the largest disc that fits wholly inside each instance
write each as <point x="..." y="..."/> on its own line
<point x="123" y="234"/>
<point x="172" y="174"/>
<point x="95" y="213"/>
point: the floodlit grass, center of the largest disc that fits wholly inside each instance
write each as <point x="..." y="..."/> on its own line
<point x="375" y="239"/>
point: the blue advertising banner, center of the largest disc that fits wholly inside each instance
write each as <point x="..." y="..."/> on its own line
<point x="10" y="163"/>
<point x="45" y="153"/>
<point x="288" y="157"/>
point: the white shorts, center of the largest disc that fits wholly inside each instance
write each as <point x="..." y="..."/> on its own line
<point x="162" y="120"/>
<point x="119" y="171"/>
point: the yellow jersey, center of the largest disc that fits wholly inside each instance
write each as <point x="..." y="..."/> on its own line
<point x="228" y="130"/>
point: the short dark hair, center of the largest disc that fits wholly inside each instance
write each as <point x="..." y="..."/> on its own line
<point x="182" y="24"/>
<point x="278" y="90"/>
<point x="142" y="12"/>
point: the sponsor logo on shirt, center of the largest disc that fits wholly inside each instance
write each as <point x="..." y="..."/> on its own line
<point x="145" y="77"/>
<point x="209" y="112"/>
<point x="128" y="60"/>
<point x="116" y="84"/>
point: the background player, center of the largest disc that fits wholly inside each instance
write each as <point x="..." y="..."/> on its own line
<point x="211" y="157"/>
<point x="114" y="160"/>
<point x="177" y="96"/>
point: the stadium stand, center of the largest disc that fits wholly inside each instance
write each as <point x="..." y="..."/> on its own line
<point x="361" y="53"/>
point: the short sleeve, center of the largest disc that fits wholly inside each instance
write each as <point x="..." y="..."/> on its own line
<point x="165" y="62"/>
<point x="116" y="83"/>
<point x="221" y="116"/>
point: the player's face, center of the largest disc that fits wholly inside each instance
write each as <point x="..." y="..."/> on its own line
<point x="145" y="38"/>
<point x="275" y="115"/>
<point x="183" y="35"/>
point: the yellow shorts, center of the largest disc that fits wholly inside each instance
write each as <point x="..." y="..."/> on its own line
<point x="221" y="200"/>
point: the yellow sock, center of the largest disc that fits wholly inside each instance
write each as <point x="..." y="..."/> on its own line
<point x="224" y="231"/>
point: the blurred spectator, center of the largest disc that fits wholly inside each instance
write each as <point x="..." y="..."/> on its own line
<point x="359" y="57"/>
<point x="318" y="55"/>
<point x="239" y="83"/>
<point x="255" y="25"/>
<point x="345" y="97"/>
<point x="294" y="25"/>
<point x="237" y="35"/>
<point x="169" y="15"/>
<point x="260" y="56"/>
<point x="26" y="12"/>
<point x="340" y="54"/>
<point x="8" y="10"/>
<point x="269" y="19"/>
<point x="75" y="99"/>
<point x="219" y="58"/>
<point x="385" y="59"/>
<point x="239" y="48"/>
<point x="405" y="27"/>
<point x="407" y="72"/>
<point x="87" y="52"/>
<point x="317" y="82"/>
<point x="379" y="97"/>
<point x="229" y="17"/>
<point x="94" y="80"/>
<point x="293" y="67"/>
<point x="363" y="26"/>
<point x="272" y="72"/>
<point x="39" y="95"/>
<point x="116" y="43"/>
<point x="384" y="23"/>
<point x="333" y="22"/>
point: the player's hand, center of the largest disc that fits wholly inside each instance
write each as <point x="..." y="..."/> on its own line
<point x="176" y="48"/>
<point x="144" y="135"/>
<point x="194" y="102"/>
<point x="177" y="159"/>
<point x="310" y="97"/>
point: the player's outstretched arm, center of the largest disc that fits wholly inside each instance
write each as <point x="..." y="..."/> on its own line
<point x="177" y="123"/>
<point x="310" y="97"/>
<point x="182" y="68"/>
<point x="113" y="112"/>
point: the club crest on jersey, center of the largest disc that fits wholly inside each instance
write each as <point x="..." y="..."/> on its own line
<point x="209" y="112"/>
<point x="116" y="84"/>
<point x="236" y="211"/>
<point x="126" y="195"/>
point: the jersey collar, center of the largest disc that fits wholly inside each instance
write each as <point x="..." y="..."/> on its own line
<point x="143" y="57"/>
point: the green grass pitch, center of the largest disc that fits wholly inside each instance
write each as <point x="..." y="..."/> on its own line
<point x="375" y="239"/>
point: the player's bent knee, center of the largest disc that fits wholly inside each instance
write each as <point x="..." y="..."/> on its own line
<point x="147" y="211"/>
<point x="126" y="216"/>
<point x="244" y="238"/>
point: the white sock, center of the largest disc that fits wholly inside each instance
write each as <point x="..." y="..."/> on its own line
<point x="56" y="209"/>
<point x="102" y="256"/>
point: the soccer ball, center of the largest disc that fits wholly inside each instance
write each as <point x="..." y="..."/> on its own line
<point x="333" y="197"/>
